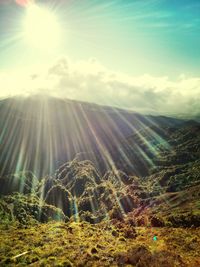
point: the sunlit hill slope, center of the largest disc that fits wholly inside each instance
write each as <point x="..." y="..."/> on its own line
<point x="92" y="167"/>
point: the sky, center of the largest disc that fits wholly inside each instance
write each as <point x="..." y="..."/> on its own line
<point x="138" y="54"/>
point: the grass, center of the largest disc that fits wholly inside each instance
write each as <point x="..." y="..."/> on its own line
<point x="82" y="244"/>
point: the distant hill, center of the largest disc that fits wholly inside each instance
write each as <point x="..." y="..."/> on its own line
<point x="40" y="133"/>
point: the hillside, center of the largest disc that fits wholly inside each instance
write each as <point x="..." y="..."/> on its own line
<point x="47" y="132"/>
<point x="115" y="188"/>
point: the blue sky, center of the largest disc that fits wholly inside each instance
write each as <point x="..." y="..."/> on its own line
<point x="137" y="54"/>
<point x="159" y="37"/>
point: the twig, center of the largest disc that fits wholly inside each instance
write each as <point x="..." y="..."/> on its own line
<point x="19" y="255"/>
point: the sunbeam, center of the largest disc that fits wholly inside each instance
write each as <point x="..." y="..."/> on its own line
<point x="99" y="133"/>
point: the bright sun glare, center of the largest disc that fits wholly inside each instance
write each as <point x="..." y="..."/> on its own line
<point x="41" y="27"/>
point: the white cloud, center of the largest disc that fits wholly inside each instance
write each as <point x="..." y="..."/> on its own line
<point x="91" y="81"/>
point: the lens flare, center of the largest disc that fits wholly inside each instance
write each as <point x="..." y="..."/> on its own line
<point x="23" y="2"/>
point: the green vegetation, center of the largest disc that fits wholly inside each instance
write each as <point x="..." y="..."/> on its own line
<point x="104" y="244"/>
<point x="81" y="217"/>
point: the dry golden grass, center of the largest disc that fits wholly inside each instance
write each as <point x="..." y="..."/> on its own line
<point x="82" y="244"/>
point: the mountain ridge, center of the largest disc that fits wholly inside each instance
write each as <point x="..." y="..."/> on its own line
<point x="60" y="128"/>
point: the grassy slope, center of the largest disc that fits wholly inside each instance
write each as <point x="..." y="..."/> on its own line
<point x="82" y="244"/>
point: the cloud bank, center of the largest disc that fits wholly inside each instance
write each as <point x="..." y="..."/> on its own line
<point x="92" y="82"/>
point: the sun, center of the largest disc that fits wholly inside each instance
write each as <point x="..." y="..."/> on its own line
<point x="41" y="27"/>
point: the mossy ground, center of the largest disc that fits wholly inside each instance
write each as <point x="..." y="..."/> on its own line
<point x="83" y="244"/>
